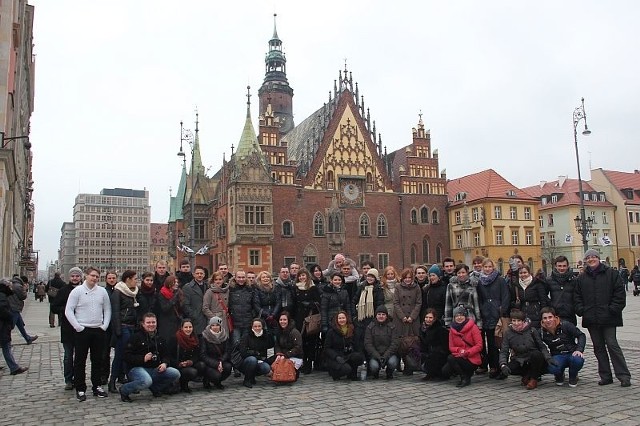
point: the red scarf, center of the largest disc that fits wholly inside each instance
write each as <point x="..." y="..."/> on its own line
<point x="166" y="292"/>
<point x="188" y="343"/>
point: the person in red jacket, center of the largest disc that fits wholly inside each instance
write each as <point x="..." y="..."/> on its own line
<point x="465" y="344"/>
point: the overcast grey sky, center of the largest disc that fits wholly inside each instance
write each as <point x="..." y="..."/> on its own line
<point x="496" y="81"/>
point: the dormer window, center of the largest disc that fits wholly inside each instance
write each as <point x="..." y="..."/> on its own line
<point x="511" y="193"/>
<point x="543" y="201"/>
<point x="461" y="196"/>
<point x="554" y="198"/>
<point x="628" y="192"/>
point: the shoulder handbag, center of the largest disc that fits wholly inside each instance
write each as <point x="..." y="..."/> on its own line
<point x="53" y="292"/>
<point x="236" y="355"/>
<point x="312" y="324"/>
<point x="501" y="327"/>
<point x="284" y="370"/>
<point x="227" y="313"/>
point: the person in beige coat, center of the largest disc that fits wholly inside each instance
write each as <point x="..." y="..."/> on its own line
<point x="216" y="300"/>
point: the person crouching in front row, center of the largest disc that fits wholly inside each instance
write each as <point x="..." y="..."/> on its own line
<point x="147" y="355"/>
<point x="341" y="358"/>
<point x="465" y="345"/>
<point x="523" y="352"/>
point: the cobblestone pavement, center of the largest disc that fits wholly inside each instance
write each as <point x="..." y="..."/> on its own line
<point x="38" y="397"/>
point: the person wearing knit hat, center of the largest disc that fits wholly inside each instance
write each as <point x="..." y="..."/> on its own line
<point x="75" y="271"/>
<point x="465" y="345"/>
<point x="435" y="269"/>
<point x="67" y="333"/>
<point x="460" y="310"/>
<point x="599" y="298"/>
<point x="215" y="320"/>
<point x="590" y="253"/>
<point x="374" y="272"/>
<point x="381" y="344"/>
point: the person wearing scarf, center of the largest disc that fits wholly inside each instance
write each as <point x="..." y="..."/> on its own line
<point x="493" y="297"/>
<point x="523" y="352"/>
<point x="215" y="352"/>
<point x="381" y="343"/>
<point x="465" y="345"/>
<point x="124" y="307"/>
<point x="560" y="286"/>
<point x="529" y="294"/>
<point x="367" y="299"/>
<point x="307" y="297"/>
<point x="184" y="352"/>
<point x="388" y="282"/>
<point x="434" y="346"/>
<point x="169" y="308"/>
<point x="341" y="358"/>
<point x="147" y="296"/>
<point x="253" y="351"/>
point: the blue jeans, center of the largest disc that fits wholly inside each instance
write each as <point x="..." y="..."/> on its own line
<point x="117" y="366"/>
<point x="8" y="357"/>
<point x="67" y="362"/>
<point x="141" y="378"/>
<point x="574" y="363"/>
<point x="392" y="364"/>
<point x="252" y="368"/>
<point x="18" y="322"/>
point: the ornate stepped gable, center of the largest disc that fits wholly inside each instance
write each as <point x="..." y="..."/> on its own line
<point x="337" y="140"/>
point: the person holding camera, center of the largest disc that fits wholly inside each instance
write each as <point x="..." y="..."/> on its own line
<point x="148" y="356"/>
<point x="381" y="342"/>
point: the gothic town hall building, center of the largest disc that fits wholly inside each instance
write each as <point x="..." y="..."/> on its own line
<point x="308" y="191"/>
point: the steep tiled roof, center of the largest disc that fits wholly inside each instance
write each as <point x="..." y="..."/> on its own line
<point x="625" y="180"/>
<point x="567" y="191"/>
<point x="481" y="185"/>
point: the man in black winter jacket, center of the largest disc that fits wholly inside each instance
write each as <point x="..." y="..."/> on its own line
<point x="148" y="356"/>
<point x="566" y="344"/>
<point x="599" y="299"/>
<point x="560" y="286"/>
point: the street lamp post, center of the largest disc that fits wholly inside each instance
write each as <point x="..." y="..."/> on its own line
<point x="186" y="136"/>
<point x="583" y="225"/>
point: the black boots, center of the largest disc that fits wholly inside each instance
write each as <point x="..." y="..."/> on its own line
<point x="112" y="386"/>
<point x="465" y="380"/>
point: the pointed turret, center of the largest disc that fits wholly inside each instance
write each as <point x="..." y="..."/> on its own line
<point x="197" y="158"/>
<point x="176" y="203"/>
<point x="275" y="89"/>
<point x="248" y="151"/>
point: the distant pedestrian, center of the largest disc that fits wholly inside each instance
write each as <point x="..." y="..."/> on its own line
<point x="41" y="293"/>
<point x="16" y="301"/>
<point x="599" y="299"/>
<point x="53" y="287"/>
<point x="6" y="324"/>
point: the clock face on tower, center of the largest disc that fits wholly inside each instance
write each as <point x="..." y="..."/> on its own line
<point x="351" y="192"/>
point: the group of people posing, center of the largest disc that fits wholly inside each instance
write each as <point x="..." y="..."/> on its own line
<point x="453" y="321"/>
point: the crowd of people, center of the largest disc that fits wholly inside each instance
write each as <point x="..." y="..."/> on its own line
<point x="449" y="321"/>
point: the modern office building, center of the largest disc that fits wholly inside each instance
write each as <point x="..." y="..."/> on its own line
<point x="110" y="231"/>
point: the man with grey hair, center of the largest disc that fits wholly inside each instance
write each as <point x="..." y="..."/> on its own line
<point x="599" y="299"/>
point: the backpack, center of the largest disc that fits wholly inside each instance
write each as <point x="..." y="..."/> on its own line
<point x="636" y="276"/>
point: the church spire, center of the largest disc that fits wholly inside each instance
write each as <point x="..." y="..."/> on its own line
<point x="197" y="158"/>
<point x="248" y="144"/>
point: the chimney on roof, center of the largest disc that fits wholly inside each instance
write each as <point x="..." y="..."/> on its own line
<point x="542" y="183"/>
